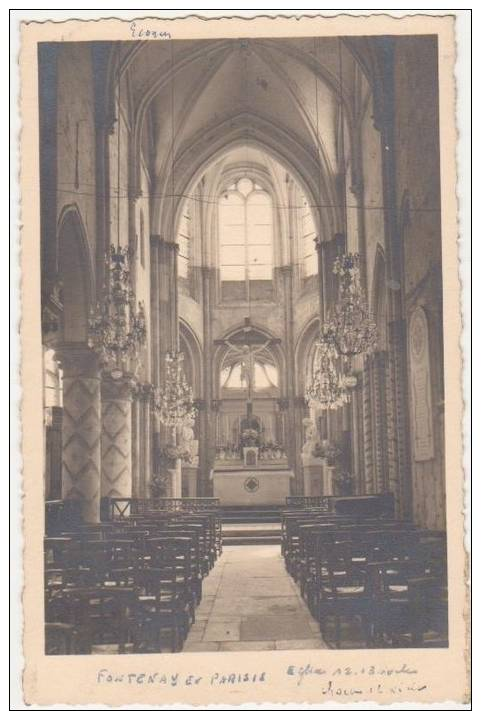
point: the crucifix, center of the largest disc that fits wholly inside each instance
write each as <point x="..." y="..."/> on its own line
<point x="247" y="347"/>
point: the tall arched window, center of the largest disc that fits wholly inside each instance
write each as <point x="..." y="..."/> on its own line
<point x="308" y="234"/>
<point x="184" y="255"/>
<point x="245" y="242"/>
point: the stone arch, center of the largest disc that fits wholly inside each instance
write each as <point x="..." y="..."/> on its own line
<point x="75" y="273"/>
<point x="268" y="137"/>
<point x="275" y="350"/>
<point x="190" y="346"/>
<point x="303" y="350"/>
<point x="379" y="297"/>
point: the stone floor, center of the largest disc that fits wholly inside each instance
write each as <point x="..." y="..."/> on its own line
<point x="249" y="602"/>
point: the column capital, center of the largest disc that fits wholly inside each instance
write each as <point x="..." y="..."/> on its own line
<point x="143" y="391"/>
<point x="163" y="243"/>
<point x="78" y="360"/>
<point x="117" y="388"/>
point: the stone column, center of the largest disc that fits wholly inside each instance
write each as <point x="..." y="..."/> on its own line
<point x="208" y="411"/>
<point x="136" y="443"/>
<point x="116" y="437"/>
<point x="145" y="461"/>
<point x="294" y="412"/>
<point x="81" y="428"/>
<point x="398" y="452"/>
<point x="397" y="396"/>
<point x="53" y="452"/>
<point x="164" y="294"/>
<point x="141" y="445"/>
<point x="168" y="286"/>
<point x="368" y="482"/>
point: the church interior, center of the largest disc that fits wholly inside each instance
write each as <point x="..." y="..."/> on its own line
<point x="242" y="323"/>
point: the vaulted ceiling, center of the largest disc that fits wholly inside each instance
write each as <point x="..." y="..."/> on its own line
<point x="194" y="101"/>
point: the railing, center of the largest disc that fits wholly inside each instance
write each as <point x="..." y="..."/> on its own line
<point x="306" y="502"/>
<point x="366" y="505"/>
<point x="118" y="508"/>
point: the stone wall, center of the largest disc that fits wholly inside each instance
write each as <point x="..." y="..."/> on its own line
<point x="418" y="194"/>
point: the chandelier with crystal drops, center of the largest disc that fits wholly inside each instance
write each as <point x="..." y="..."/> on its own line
<point x="173" y="401"/>
<point x="117" y="328"/>
<point x="326" y="389"/>
<point x="350" y="327"/>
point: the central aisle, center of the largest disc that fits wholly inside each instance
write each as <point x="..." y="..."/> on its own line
<point x="249" y="602"/>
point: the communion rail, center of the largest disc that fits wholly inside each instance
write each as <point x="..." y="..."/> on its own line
<point x="369" y="504"/>
<point x="120" y="507"/>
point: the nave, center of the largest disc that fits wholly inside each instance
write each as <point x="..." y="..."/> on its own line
<point x="242" y="325"/>
<point x="161" y="581"/>
<point x="252" y="604"/>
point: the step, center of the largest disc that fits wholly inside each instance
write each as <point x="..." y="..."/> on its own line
<point x="251" y="514"/>
<point x="250" y="519"/>
<point x="259" y="507"/>
<point x="251" y="540"/>
<point x="249" y="533"/>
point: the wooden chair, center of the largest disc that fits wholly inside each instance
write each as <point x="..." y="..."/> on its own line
<point x="60" y="638"/>
<point x="99" y="615"/>
<point x="344" y="589"/>
<point x="159" y="609"/>
<point x="175" y="552"/>
<point x="406" y="598"/>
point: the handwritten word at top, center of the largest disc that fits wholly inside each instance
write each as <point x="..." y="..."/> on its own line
<point x="141" y="32"/>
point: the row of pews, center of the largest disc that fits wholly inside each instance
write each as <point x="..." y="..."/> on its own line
<point x="130" y="584"/>
<point x="369" y="580"/>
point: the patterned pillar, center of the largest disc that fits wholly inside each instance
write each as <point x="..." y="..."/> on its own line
<point x="81" y="429"/>
<point x="399" y="474"/>
<point x="378" y="400"/>
<point x="367" y="428"/>
<point x="116" y="437"/>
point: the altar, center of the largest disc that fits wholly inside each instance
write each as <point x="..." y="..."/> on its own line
<point x="251" y="486"/>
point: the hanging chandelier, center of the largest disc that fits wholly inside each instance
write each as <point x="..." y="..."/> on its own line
<point x="117" y="328"/>
<point x="173" y="401"/>
<point x="350" y="329"/>
<point x="326" y="389"/>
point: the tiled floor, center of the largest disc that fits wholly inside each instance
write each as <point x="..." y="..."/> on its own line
<point x="250" y="603"/>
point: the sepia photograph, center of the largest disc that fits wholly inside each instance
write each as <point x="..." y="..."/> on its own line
<point x="242" y="344"/>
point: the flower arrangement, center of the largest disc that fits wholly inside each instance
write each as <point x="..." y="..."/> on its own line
<point x="343" y="482"/>
<point x="271" y="450"/>
<point x="250" y="438"/>
<point x="171" y="452"/>
<point x="329" y="451"/>
<point x="159" y="485"/>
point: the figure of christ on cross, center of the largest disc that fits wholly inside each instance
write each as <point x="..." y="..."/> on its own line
<point x="247" y="348"/>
